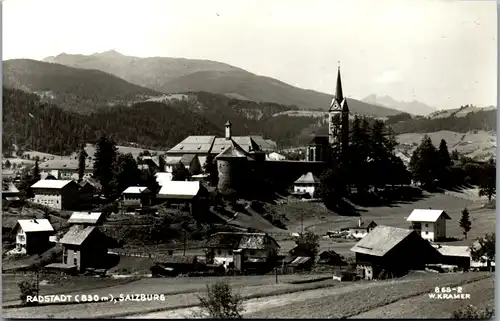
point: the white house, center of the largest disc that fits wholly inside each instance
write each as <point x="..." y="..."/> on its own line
<point x="32" y="236"/>
<point x="430" y="224"/>
<point x="179" y="190"/>
<point x="65" y="168"/>
<point x="58" y="194"/>
<point x="132" y="196"/>
<point x="307" y="183"/>
<point x="163" y="177"/>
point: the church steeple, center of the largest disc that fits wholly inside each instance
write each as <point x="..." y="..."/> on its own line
<point x="338" y="90"/>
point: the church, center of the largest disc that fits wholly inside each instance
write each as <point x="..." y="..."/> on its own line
<point x="320" y="147"/>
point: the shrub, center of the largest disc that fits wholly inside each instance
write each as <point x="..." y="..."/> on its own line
<point x="220" y="302"/>
<point x="471" y="312"/>
<point x="27" y="288"/>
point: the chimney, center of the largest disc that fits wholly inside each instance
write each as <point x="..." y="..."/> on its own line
<point x="228" y="130"/>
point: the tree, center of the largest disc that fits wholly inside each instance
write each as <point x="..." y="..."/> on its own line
<point x="487" y="185"/>
<point x="307" y="244"/>
<point x="82" y="156"/>
<point x="179" y="172"/>
<point x="471" y="312"/>
<point x="444" y="155"/>
<point x="332" y="186"/>
<point x="465" y="222"/>
<point x="7" y="164"/>
<point x="210" y="168"/>
<point x="455" y="155"/>
<point x="36" y="172"/>
<point x="358" y="155"/>
<point x="27" y="288"/>
<point x="484" y="250"/>
<point x="126" y="172"/>
<point x="104" y="160"/>
<point x="423" y="162"/>
<point x="220" y="302"/>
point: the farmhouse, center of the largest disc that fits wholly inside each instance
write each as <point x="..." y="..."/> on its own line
<point x="393" y="251"/>
<point x="64" y="168"/>
<point x="58" y="194"/>
<point x="244" y="251"/>
<point x="132" y="197"/>
<point x="181" y="192"/>
<point x="331" y="258"/>
<point x="32" y="236"/>
<point x="306" y="184"/>
<point x="430" y="224"/>
<point x="83" y="247"/>
<point x="360" y="230"/>
<point x="86" y="218"/>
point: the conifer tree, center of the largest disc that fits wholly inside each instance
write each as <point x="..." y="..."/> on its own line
<point x="465" y="222"/>
<point x="82" y="156"/>
<point x="104" y="161"/>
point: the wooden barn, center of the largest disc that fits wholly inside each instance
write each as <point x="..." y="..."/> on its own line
<point x="331" y="258"/>
<point x="393" y="251"/>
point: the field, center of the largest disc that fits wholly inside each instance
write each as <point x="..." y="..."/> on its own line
<point x="90" y="149"/>
<point x="481" y="144"/>
<point x="351" y="303"/>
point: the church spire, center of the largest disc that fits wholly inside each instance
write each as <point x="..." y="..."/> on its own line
<point x="338" y="91"/>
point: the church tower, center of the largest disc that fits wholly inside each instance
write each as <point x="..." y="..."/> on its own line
<point x="338" y="118"/>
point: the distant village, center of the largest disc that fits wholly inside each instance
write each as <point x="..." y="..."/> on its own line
<point x="242" y="163"/>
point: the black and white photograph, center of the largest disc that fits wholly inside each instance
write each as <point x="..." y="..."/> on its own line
<point x="239" y="159"/>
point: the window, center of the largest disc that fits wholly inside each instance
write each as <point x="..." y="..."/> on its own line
<point x="75" y="261"/>
<point x="426" y="233"/>
<point x="426" y="225"/>
<point x="65" y="257"/>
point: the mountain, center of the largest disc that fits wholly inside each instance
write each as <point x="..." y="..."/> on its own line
<point x="178" y="75"/>
<point x="74" y="89"/>
<point x="413" y="107"/>
<point x="459" y="112"/>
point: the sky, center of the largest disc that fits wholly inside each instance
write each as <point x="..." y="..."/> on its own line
<point x="439" y="52"/>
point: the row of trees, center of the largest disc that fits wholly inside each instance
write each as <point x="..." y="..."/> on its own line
<point x="368" y="162"/>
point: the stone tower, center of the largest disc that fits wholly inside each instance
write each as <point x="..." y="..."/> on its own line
<point x="338" y="118"/>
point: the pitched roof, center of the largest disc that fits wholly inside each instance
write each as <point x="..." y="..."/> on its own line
<point x="9" y="188"/>
<point x="179" y="189"/>
<point x="299" y="260"/>
<point x="246" y="143"/>
<point x="77" y="234"/>
<point x="66" y="163"/>
<point x="264" y="144"/>
<point x="91" y="181"/>
<point x="186" y="159"/>
<point x="35" y="225"/>
<point x="173" y="160"/>
<point x="84" y="217"/>
<point x="153" y="159"/>
<point x="134" y="190"/>
<point x="51" y="183"/>
<point x="308" y="178"/>
<point x="381" y="240"/>
<point x="194" y="144"/>
<point x="239" y="240"/>
<point x="429" y="215"/>
<point x="233" y="151"/>
<point x="453" y="250"/>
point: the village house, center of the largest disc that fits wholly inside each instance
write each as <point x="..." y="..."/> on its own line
<point x="275" y="156"/>
<point x="132" y="197"/>
<point x="86" y="218"/>
<point x="331" y="257"/>
<point x="192" y="163"/>
<point x="32" y="236"/>
<point x="181" y="193"/>
<point x="57" y="194"/>
<point x="180" y="264"/>
<point x="64" y="169"/>
<point x="306" y="184"/>
<point x="10" y="192"/>
<point x="460" y="256"/>
<point x="83" y="247"/>
<point x="242" y="251"/>
<point x="430" y="224"/>
<point x="360" y="230"/>
<point x="393" y="251"/>
<point x="152" y="163"/>
<point x="163" y="177"/>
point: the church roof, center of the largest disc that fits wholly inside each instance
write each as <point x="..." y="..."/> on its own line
<point x="338" y="101"/>
<point x="233" y="151"/>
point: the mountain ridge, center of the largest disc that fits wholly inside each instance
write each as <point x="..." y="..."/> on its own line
<point x="413" y="107"/>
